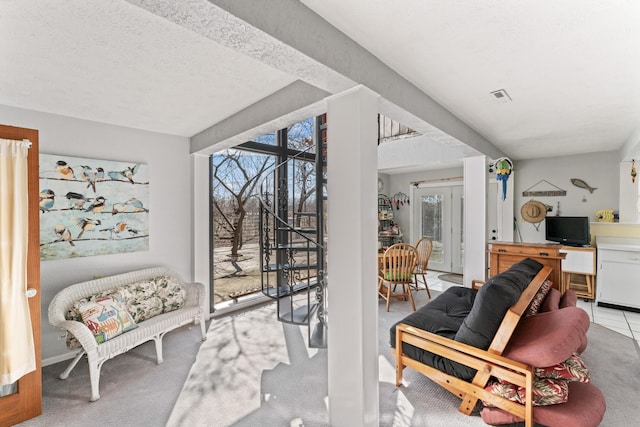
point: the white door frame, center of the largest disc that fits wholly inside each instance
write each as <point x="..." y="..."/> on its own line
<point x="503" y="208"/>
<point x="414" y="232"/>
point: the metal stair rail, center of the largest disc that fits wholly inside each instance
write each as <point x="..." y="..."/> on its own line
<point x="292" y="259"/>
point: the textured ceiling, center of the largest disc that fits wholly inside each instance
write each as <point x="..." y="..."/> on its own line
<point x="182" y="66"/>
<point x="113" y="62"/>
<point x="571" y="67"/>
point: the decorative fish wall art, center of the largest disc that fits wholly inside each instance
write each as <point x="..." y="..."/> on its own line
<point x="581" y="184"/>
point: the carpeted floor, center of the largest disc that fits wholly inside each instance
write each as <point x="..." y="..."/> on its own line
<point x="255" y="371"/>
<point x="134" y="390"/>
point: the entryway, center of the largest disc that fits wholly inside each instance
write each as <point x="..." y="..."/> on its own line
<point x="438" y="215"/>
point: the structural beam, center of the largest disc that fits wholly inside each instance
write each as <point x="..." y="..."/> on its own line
<point x="296" y="102"/>
<point x="287" y="35"/>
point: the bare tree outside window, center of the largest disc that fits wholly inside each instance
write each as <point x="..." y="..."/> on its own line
<point x="300" y="137"/>
<point x="236" y="176"/>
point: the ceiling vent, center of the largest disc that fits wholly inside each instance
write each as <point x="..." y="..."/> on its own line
<point x="501" y="96"/>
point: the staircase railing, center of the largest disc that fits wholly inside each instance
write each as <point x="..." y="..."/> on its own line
<point x="292" y="257"/>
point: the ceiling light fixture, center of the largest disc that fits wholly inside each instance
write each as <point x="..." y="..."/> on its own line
<point x="501" y="95"/>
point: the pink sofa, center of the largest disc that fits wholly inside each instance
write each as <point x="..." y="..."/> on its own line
<point x="547" y="338"/>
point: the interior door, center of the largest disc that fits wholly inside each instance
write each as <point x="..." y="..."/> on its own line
<point x="24" y="400"/>
<point x="438" y="216"/>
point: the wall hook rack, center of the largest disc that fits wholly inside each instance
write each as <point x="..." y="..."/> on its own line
<point x="530" y="192"/>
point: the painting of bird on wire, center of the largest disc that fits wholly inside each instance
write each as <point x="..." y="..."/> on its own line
<point x="91" y="207"/>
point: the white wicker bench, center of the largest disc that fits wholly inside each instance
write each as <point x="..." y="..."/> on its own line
<point x="153" y="328"/>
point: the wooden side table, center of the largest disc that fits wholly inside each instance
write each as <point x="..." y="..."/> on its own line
<point x="579" y="271"/>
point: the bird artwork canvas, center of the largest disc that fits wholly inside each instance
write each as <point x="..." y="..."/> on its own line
<point x="91" y="207"/>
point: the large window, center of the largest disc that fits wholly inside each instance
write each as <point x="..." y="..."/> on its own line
<point x="236" y="176"/>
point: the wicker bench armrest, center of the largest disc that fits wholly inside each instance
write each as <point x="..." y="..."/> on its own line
<point x="81" y="332"/>
<point x="196" y="293"/>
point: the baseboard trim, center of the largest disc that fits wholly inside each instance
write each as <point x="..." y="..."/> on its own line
<point x="57" y="359"/>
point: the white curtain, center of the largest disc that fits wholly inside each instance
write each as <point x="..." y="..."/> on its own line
<point x="17" y="353"/>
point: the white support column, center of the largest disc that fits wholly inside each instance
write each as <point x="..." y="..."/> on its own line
<point x="475" y="218"/>
<point x="351" y="266"/>
<point x="201" y="254"/>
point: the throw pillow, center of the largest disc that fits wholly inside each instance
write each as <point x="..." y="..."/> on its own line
<point x="546" y="391"/>
<point x="536" y="302"/>
<point x="548" y="338"/>
<point x="172" y="294"/>
<point x="106" y="318"/>
<point x="74" y="314"/>
<point x="140" y="299"/>
<point x="572" y="369"/>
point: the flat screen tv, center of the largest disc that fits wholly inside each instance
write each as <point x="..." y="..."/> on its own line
<point x="568" y="230"/>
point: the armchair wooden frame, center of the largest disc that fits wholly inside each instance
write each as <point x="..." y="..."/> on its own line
<point x="488" y="363"/>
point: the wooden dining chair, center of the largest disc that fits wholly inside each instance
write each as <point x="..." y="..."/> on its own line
<point x="424" y="248"/>
<point x="396" y="268"/>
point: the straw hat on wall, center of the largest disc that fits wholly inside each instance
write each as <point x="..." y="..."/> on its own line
<point x="533" y="211"/>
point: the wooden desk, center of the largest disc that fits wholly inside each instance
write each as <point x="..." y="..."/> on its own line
<point x="503" y="255"/>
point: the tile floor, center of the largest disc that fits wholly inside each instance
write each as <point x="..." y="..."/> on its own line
<point x="625" y="322"/>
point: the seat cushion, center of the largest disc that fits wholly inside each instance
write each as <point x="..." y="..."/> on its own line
<point x="442" y="316"/>
<point x="585" y="408"/>
<point x="548" y="338"/>
<point x="398" y="276"/>
<point x="492" y="302"/>
<point x="569" y="299"/>
<point x="551" y="301"/>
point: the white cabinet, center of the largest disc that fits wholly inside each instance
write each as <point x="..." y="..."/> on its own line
<point x="579" y="270"/>
<point x="618" y="272"/>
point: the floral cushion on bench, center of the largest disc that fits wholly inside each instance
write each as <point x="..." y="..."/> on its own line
<point x="143" y="300"/>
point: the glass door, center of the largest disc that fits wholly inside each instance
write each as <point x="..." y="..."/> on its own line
<point x="438" y="215"/>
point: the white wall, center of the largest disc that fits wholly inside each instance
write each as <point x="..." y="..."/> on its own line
<point x="170" y="206"/>
<point x="599" y="170"/>
<point x="401" y="183"/>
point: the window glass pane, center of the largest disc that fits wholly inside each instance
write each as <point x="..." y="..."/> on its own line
<point x="300" y="136"/>
<point x="269" y="139"/>
<point x="235" y="179"/>
<point x="431" y="207"/>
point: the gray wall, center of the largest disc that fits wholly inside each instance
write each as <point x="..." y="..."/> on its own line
<point x="168" y="159"/>
<point x="599" y="170"/>
<point x="401" y="183"/>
